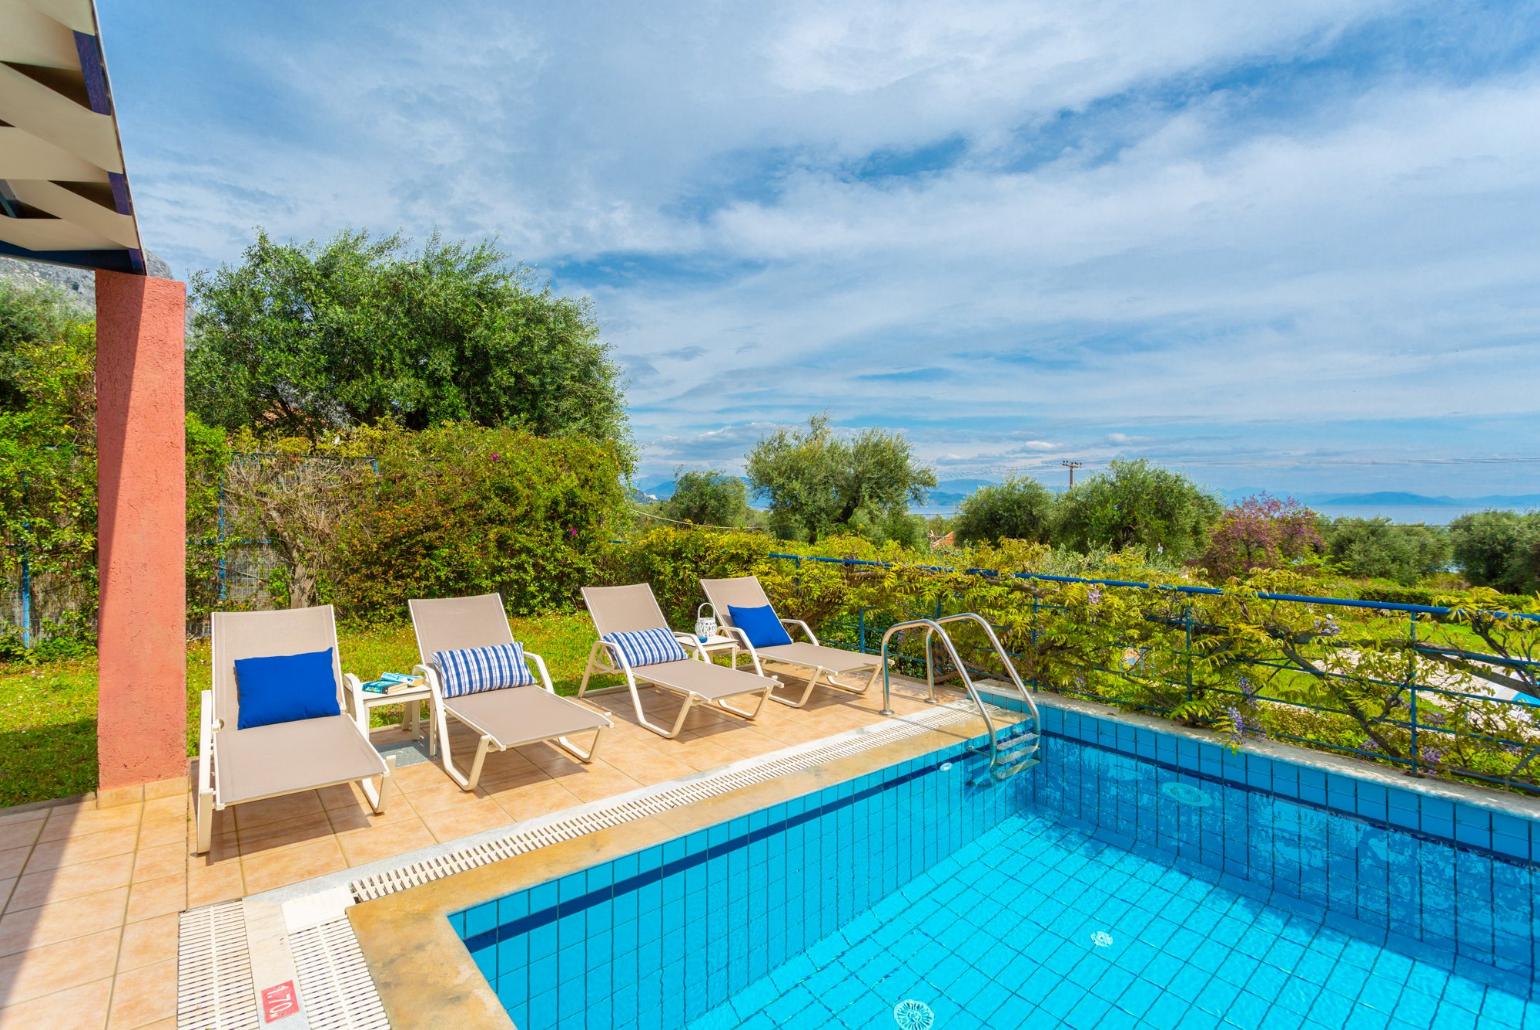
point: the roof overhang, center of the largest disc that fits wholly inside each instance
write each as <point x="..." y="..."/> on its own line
<point x="63" y="190"/>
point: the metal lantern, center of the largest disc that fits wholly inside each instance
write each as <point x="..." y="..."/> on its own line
<point x="705" y="622"/>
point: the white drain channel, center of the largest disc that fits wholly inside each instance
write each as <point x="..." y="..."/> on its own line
<point x="215" y="983"/>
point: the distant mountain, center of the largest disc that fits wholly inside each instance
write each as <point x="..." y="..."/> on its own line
<point x="1394" y="499"/>
<point x="78" y="285"/>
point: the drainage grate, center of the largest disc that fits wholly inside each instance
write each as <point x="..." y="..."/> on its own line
<point x="334" y="981"/>
<point x="213" y="969"/>
<point x="651" y="801"/>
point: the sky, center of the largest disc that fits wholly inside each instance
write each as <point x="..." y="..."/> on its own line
<point x="1285" y="246"/>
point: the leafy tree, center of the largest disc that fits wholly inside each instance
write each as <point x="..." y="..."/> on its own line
<point x="1499" y="549"/>
<point x="309" y="339"/>
<point x="1379" y="549"/>
<point x="1136" y="504"/>
<point x="819" y="483"/>
<point x="707" y="499"/>
<point x="1260" y="532"/>
<point x="1017" y="509"/>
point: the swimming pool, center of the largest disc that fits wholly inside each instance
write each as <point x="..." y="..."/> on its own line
<point x="1136" y="877"/>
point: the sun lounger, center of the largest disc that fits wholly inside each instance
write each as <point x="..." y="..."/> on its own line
<point x="824" y="664"/>
<point x="238" y="765"/>
<point x="481" y="677"/>
<point x="635" y="641"/>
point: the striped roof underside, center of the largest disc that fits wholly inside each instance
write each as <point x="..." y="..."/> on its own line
<point x="63" y="191"/>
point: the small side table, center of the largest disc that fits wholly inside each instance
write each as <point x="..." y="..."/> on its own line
<point x="363" y="702"/>
<point x="711" y="645"/>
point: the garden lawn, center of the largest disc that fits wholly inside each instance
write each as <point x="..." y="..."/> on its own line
<point x="48" y="710"/>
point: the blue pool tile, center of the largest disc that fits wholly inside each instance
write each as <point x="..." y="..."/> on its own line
<point x="1437" y="816"/>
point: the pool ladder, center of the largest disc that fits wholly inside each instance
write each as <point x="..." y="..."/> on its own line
<point x="1012" y="748"/>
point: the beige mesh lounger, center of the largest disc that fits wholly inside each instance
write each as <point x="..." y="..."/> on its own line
<point x="824" y="664"/>
<point x="235" y="765"/>
<point x="504" y="718"/>
<point x="629" y="608"/>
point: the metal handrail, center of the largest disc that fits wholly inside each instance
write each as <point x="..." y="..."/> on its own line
<point x="934" y="628"/>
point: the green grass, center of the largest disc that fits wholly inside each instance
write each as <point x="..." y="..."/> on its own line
<point x="48" y="711"/>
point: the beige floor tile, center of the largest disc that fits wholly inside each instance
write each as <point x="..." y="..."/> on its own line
<point x="170" y="807"/>
<point x="72" y="881"/>
<point x="20" y="835"/>
<point x="289" y="808"/>
<point x="14" y="817"/>
<point x="120" y="796"/>
<point x="12" y="860"/>
<point x="209" y="884"/>
<point x="442" y="795"/>
<point x="473" y="816"/>
<point x="534" y="800"/>
<point x="268" y="870"/>
<point x="163" y="830"/>
<point x="176" y="786"/>
<point x="148" y="941"/>
<point x="79" y="1008"/>
<point x="153" y="863"/>
<point x="150" y="898"/>
<point x="591" y="783"/>
<point x="142" y="996"/>
<point x="82" y="821"/>
<point x="57" y="967"/>
<point x="6" y="887"/>
<point x="384" y="841"/>
<point x="52" y="854"/>
<point x="415" y="777"/>
<point x="30" y="928"/>
<point x="274" y="836"/>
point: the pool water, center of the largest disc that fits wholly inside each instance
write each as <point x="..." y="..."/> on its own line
<point x="1035" y="923"/>
<point x="1134" y="878"/>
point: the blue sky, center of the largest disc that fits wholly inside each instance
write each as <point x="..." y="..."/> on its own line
<point x="1289" y="246"/>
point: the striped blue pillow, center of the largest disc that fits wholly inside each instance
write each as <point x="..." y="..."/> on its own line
<point x="647" y="646"/>
<point x="475" y="669"/>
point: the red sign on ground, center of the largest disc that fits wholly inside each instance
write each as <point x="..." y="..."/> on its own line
<point x="279" y="1002"/>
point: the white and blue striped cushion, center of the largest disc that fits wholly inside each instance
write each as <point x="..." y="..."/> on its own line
<point x="647" y="646"/>
<point x="475" y="669"/>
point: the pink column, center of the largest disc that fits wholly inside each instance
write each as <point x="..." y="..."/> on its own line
<point x="141" y="732"/>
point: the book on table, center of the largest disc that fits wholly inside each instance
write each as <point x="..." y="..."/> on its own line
<point x="393" y="683"/>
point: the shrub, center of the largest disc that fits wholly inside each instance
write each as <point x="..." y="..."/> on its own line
<point x="1380" y="549"/>
<point x="1017" y="509"/>
<point x="460" y="509"/>
<point x="1260" y="532"/>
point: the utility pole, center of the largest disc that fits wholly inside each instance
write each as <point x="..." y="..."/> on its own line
<point x="1072" y="466"/>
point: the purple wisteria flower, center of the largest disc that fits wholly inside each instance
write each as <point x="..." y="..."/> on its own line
<point x="1094" y="596"/>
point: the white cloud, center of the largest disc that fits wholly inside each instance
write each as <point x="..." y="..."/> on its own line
<point x="1203" y="247"/>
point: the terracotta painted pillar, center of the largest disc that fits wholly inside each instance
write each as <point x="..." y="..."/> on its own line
<point x="141" y="480"/>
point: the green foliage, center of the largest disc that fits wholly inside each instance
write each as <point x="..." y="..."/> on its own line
<point x="309" y="339"/>
<point x="460" y="509"/>
<point x="1498" y="549"/>
<point x="707" y="499"/>
<point x="1379" y="549"/>
<point x="1136" y="504"/>
<point x="1017" y="509"/>
<point x="820" y="483"/>
<point x="48" y="470"/>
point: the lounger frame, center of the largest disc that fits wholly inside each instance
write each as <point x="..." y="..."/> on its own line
<point x="820" y="675"/>
<point x="207" y="800"/>
<point x="443" y="707"/>
<point x="488" y="743"/>
<point x="607" y="658"/>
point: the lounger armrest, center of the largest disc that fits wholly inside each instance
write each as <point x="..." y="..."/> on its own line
<point x="206" y="744"/>
<point x="691" y="644"/>
<point x="430" y="676"/>
<point x="355" y="689"/>
<point x="798" y="623"/>
<point x="540" y="670"/>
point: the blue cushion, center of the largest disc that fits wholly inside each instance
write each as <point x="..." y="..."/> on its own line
<point x="648" y="646"/>
<point x="285" y="688"/>
<point x="760" y="625"/>
<point x="474" y="669"/>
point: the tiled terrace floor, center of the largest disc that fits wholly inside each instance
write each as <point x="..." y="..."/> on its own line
<point x="90" y="888"/>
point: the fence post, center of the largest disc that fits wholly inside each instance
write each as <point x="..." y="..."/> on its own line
<point x="1411" y="686"/>
<point x="1187" y="646"/>
<point x="26" y="599"/>
<point x="861" y="629"/>
<point x="219" y="541"/>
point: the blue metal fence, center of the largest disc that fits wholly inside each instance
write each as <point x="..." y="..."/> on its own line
<point x="1427" y="706"/>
